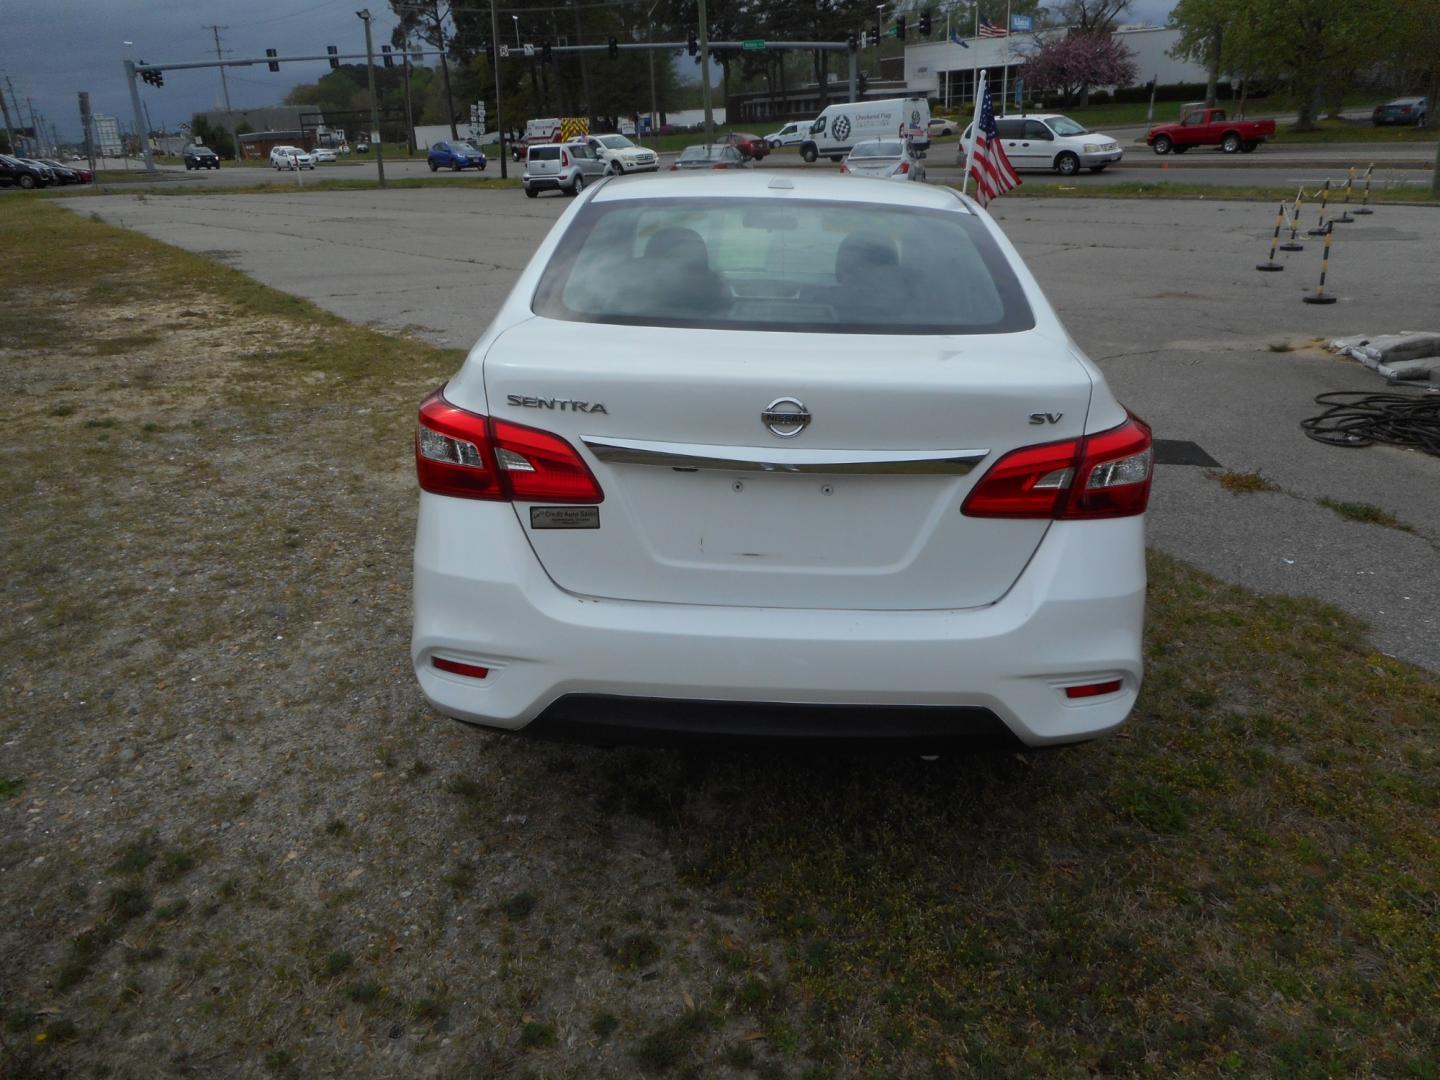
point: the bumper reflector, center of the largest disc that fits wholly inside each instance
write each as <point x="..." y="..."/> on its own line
<point x="1094" y="689"/>
<point x="472" y="671"/>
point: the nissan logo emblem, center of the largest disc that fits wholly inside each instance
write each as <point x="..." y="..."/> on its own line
<point x="785" y="417"/>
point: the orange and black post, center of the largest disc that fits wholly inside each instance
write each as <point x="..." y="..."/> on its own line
<point x="1364" y="207"/>
<point x="1270" y="263"/>
<point x="1319" y="296"/>
<point x="1320" y="226"/>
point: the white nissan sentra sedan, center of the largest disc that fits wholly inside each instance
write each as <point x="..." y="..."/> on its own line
<point x="748" y="456"/>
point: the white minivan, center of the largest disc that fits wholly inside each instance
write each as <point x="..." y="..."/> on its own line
<point x="836" y="130"/>
<point x="1049" y="141"/>
<point x="789" y="135"/>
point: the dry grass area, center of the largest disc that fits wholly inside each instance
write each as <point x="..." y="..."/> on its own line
<point x="234" y="841"/>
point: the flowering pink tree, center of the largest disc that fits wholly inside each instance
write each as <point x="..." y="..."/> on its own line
<point x="1076" y="62"/>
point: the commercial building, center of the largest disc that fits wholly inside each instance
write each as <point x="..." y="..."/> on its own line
<point x="945" y="71"/>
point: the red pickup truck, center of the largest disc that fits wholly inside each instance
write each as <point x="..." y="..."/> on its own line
<point x="1209" y="127"/>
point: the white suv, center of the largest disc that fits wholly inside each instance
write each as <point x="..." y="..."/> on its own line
<point x="290" y="157"/>
<point x="1049" y="141"/>
<point x="802" y="457"/>
<point x="621" y="155"/>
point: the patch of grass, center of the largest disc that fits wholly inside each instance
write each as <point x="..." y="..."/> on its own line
<point x="430" y="1009"/>
<point x="467" y="789"/>
<point x="138" y="854"/>
<point x="668" y="1046"/>
<point x="172" y="910"/>
<point x="519" y="906"/>
<point x="175" y="863"/>
<point x="535" y="1035"/>
<point x="336" y="963"/>
<point x="336" y="827"/>
<point x="604" y="1025"/>
<point x="461" y="877"/>
<point x="1243" y="483"/>
<point x="634" y="951"/>
<point x="364" y="991"/>
<point x="63" y="410"/>
<point x="10" y="786"/>
<point x="1365" y="513"/>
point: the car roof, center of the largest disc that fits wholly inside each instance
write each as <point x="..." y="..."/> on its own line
<point x="750" y="184"/>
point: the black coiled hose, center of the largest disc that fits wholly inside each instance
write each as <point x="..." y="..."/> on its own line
<point x="1359" y="419"/>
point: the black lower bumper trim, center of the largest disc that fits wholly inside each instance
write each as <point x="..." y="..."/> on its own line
<point x="607" y="720"/>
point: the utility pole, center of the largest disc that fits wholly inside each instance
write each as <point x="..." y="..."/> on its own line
<point x="584" y="70"/>
<point x="409" y="116"/>
<point x="85" y="126"/>
<point x="495" y="70"/>
<point x="705" y="76"/>
<point x="139" y="116"/>
<point x="19" y="116"/>
<point x="9" y="130"/>
<point x="38" y="139"/>
<point x="224" y="85"/>
<point x="379" y="141"/>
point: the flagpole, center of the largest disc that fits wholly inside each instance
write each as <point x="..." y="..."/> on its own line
<point x="1005" y="71"/>
<point x="975" y="60"/>
<point x="948" y="43"/>
<point x="974" y="130"/>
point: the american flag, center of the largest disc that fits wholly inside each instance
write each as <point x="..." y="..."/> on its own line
<point x="988" y="163"/>
<point x="989" y="29"/>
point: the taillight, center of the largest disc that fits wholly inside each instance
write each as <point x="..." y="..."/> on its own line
<point x="564" y="158"/>
<point x="904" y="168"/>
<point x="1098" y="476"/>
<point x="721" y="165"/>
<point x="470" y="456"/>
<point x="844" y="168"/>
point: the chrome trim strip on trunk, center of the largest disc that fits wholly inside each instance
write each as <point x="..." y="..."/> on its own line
<point x="690" y="457"/>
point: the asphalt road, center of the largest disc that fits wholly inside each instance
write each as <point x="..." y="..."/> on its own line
<point x="1163" y="295"/>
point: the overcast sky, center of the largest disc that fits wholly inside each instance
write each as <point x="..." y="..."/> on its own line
<point x="51" y="49"/>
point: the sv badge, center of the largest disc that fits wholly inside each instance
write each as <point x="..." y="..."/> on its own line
<point x="1045" y="417"/>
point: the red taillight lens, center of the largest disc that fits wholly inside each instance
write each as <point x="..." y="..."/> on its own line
<point x="1095" y="689"/>
<point x="1099" y="476"/>
<point x="904" y="168"/>
<point x="455" y="667"/>
<point x="674" y="168"/>
<point x="564" y="158"/>
<point x="720" y="165"/>
<point x="844" y="168"/>
<point x="469" y="456"/>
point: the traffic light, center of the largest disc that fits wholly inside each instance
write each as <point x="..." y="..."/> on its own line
<point x="385" y="57"/>
<point x="852" y="41"/>
<point x="692" y="43"/>
<point x="546" y="55"/>
<point x="899" y="26"/>
<point x="875" y="34"/>
<point x="272" y="65"/>
<point x="925" y="23"/>
<point x="614" y="48"/>
<point x="334" y="56"/>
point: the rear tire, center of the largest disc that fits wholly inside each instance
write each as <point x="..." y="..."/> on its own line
<point x="26" y="181"/>
<point x="808" y="154"/>
<point x="1181" y="149"/>
<point x="530" y="192"/>
<point x="1230" y="144"/>
<point x="1163" y="144"/>
<point x="1249" y="147"/>
<point x="578" y="186"/>
<point x="1067" y="164"/>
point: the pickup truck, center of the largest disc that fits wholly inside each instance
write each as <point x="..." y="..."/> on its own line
<point x="1209" y="127"/>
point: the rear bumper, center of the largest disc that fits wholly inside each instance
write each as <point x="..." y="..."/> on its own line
<point x="545" y="183"/>
<point x="482" y="598"/>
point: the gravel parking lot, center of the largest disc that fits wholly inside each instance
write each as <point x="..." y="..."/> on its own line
<point x="1163" y="295"/>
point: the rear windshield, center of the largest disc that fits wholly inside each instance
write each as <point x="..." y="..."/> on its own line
<point x="877" y="150"/>
<point x="544" y="153"/>
<point x="759" y="264"/>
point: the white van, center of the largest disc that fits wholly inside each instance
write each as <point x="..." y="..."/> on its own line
<point x="1049" y="141"/>
<point x="836" y="130"/>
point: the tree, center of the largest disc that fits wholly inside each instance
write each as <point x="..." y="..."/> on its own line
<point x="426" y="19"/>
<point x="1203" y="26"/>
<point x="1090" y="16"/>
<point x="1074" y="63"/>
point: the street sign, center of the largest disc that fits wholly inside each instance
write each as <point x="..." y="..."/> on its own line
<point x="752" y="45"/>
<point x="1021" y="24"/>
<point x="504" y="52"/>
<point x="529" y="50"/>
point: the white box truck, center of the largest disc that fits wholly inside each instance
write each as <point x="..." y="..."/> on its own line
<point x="836" y="130"/>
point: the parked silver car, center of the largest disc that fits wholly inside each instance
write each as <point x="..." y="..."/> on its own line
<point x="564" y="167"/>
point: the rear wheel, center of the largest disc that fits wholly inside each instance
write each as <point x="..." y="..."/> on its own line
<point x="530" y="192"/>
<point x="809" y="154"/>
<point x="433" y="166"/>
<point x="1230" y="144"/>
<point x="578" y="186"/>
<point x="26" y="181"/>
<point x="1163" y="144"/>
<point x="1067" y="164"/>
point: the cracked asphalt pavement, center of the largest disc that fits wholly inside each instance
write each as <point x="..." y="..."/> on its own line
<point x="1163" y="295"/>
